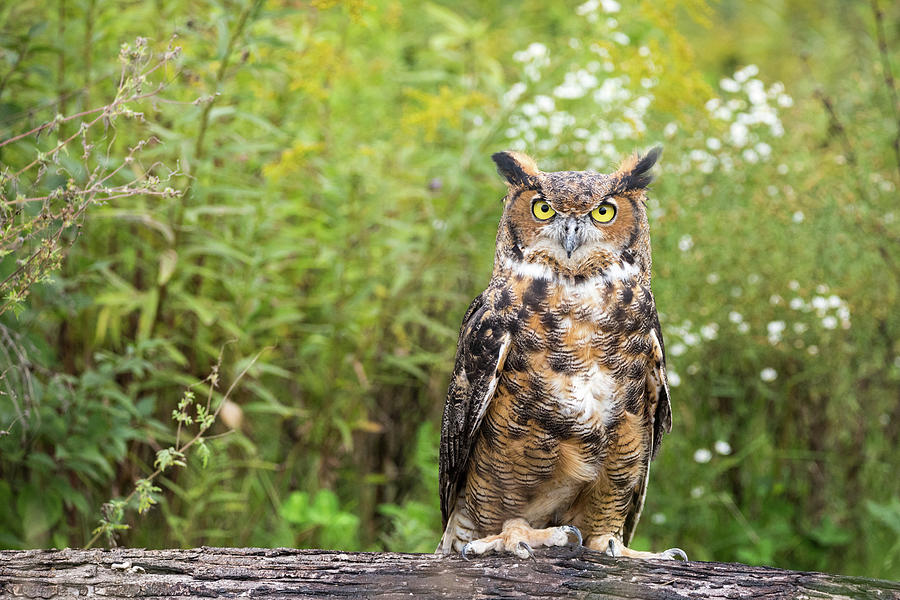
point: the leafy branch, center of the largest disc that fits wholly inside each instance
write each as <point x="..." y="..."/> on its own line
<point x="174" y="456"/>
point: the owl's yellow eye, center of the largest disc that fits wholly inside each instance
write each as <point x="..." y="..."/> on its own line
<point x="542" y="210"/>
<point x="604" y="213"/>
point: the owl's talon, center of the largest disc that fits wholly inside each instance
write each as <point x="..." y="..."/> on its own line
<point x="526" y="548"/>
<point x="465" y="550"/>
<point x="673" y="553"/>
<point x="610" y="545"/>
<point x="572" y="530"/>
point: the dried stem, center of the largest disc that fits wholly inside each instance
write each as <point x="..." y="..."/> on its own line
<point x="65" y="206"/>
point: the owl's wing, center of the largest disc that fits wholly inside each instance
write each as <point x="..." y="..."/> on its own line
<point x="657" y="391"/>
<point x="658" y="386"/>
<point x="480" y="354"/>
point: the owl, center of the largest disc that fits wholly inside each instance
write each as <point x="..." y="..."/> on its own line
<point x="558" y="399"/>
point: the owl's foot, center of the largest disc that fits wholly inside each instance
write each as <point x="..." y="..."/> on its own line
<point x="613" y="546"/>
<point x="519" y="538"/>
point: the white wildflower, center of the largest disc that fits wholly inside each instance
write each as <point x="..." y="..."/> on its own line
<point x="739" y="134"/>
<point x="514" y="93"/>
<point x="763" y="149"/>
<point x="620" y="38"/>
<point x="610" y="6"/>
<point x="775" y="330"/>
<point x="588" y="7"/>
<point x="544" y="103"/>
<point x="702" y="455"/>
<point x="729" y="85"/>
<point x="820" y="303"/>
<point x="756" y="91"/>
<point x="768" y="374"/>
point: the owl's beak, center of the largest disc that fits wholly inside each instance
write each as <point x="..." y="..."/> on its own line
<point x="572" y="236"/>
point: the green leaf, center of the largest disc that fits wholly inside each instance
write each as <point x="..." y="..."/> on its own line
<point x="296" y="508"/>
<point x="167" y="457"/>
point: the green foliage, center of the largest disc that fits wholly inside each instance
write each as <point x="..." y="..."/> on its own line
<point x="314" y="179"/>
<point x="321" y="516"/>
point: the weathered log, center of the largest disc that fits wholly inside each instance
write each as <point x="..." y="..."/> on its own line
<point x="298" y="574"/>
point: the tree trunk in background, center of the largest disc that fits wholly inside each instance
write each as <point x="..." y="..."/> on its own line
<point x="298" y="574"/>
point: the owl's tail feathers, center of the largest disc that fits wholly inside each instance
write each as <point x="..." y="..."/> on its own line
<point x="460" y="530"/>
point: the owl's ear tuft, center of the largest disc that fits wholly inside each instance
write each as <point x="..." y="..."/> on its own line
<point x="517" y="168"/>
<point x="634" y="171"/>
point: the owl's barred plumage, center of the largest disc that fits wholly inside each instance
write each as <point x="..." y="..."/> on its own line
<point x="558" y="399"/>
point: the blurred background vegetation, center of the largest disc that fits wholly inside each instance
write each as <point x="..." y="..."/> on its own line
<point x="310" y="182"/>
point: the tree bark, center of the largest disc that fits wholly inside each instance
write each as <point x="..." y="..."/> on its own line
<point x="299" y="574"/>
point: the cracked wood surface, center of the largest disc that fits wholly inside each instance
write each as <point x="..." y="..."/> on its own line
<point x="299" y="574"/>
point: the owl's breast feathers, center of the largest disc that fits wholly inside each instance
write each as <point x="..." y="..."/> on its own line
<point x="552" y="372"/>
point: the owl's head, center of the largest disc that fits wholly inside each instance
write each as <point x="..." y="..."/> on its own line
<point x="577" y="224"/>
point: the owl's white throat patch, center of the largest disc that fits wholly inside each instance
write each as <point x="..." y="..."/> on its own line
<point x="529" y="270"/>
<point x="616" y="272"/>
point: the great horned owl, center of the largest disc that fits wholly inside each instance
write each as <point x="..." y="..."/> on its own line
<point x="559" y="399"/>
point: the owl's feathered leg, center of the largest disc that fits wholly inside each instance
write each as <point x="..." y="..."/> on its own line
<point x="519" y="538"/>
<point x="613" y="546"/>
